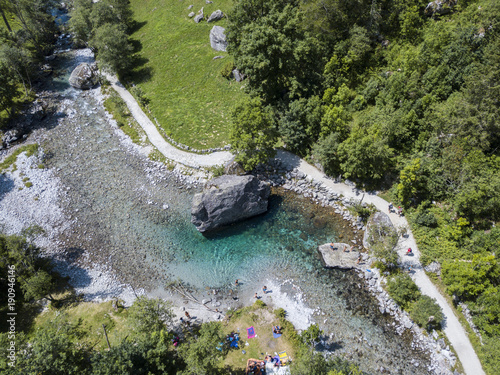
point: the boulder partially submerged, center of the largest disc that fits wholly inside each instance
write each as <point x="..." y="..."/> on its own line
<point x="339" y="255"/>
<point x="84" y="76"/>
<point x="228" y="199"/>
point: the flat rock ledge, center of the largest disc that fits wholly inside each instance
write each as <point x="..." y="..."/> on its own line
<point x="228" y="199"/>
<point x="339" y="255"/>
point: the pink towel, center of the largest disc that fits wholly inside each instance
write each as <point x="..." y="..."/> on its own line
<point x="251" y="332"/>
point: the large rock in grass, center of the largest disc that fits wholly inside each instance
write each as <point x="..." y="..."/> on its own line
<point x="228" y="199"/>
<point x="218" y="39"/>
<point x="84" y="76"/>
<point x="215" y="16"/>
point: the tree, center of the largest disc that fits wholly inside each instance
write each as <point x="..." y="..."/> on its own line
<point x="36" y="22"/>
<point x="253" y="133"/>
<point x="299" y="127"/>
<point x="38" y="286"/>
<point x="270" y="47"/>
<point x="426" y="312"/>
<point x="52" y="351"/>
<point x="325" y="151"/>
<point x="468" y="280"/>
<point x="7" y="24"/>
<point x="311" y="336"/>
<point x="412" y="181"/>
<point x="403" y="290"/>
<point x="80" y="22"/>
<point x="20" y="63"/>
<point x="152" y="355"/>
<point x="150" y="315"/>
<point x="8" y="88"/>
<point x="365" y="154"/>
<point x="113" y="49"/>
<point x="200" y="354"/>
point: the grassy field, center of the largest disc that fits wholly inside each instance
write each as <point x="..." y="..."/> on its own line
<point x="262" y="319"/>
<point x="89" y="318"/>
<point x="176" y="71"/>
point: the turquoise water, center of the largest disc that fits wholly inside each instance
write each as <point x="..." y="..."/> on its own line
<point x="283" y="237"/>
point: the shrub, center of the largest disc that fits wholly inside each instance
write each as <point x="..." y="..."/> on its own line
<point x="227" y="70"/>
<point x="141" y="96"/>
<point x="280" y="313"/>
<point x="260" y="304"/>
<point x="403" y="290"/>
<point x="426" y="312"/>
<point x="426" y="219"/>
<point x="218" y="170"/>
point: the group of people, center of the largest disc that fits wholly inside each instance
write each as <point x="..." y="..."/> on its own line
<point x="256" y="366"/>
<point x="399" y="210"/>
<point x="186" y="321"/>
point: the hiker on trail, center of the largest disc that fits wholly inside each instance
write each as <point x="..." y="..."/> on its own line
<point x="391" y="206"/>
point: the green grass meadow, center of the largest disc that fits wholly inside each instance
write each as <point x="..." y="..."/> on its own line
<point x="176" y="71"/>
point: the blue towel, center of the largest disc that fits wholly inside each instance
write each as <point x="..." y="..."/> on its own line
<point x="276" y="335"/>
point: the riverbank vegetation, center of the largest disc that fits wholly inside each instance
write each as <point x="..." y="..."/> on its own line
<point x="27" y="34"/>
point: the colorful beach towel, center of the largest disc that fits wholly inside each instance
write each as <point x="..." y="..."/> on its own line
<point x="251" y="332"/>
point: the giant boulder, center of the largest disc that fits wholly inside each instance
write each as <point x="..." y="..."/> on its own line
<point x="218" y="39"/>
<point x="84" y="76"/>
<point x="228" y="199"/>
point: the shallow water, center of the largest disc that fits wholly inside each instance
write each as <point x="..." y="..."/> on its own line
<point x="119" y="200"/>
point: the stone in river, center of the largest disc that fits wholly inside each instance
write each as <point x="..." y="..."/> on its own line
<point x="336" y="257"/>
<point x="84" y="76"/>
<point x="228" y="199"/>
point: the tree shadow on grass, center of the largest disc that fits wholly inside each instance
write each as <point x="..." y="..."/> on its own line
<point x="136" y="26"/>
<point x="138" y="72"/>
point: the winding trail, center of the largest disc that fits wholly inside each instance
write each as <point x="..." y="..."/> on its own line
<point x="187" y="158"/>
<point x="453" y="329"/>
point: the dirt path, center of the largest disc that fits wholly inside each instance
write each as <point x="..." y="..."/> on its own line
<point x="187" y="158"/>
<point x="452" y="327"/>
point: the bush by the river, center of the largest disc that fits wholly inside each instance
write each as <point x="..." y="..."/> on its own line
<point x="426" y="312"/>
<point x="403" y="290"/>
